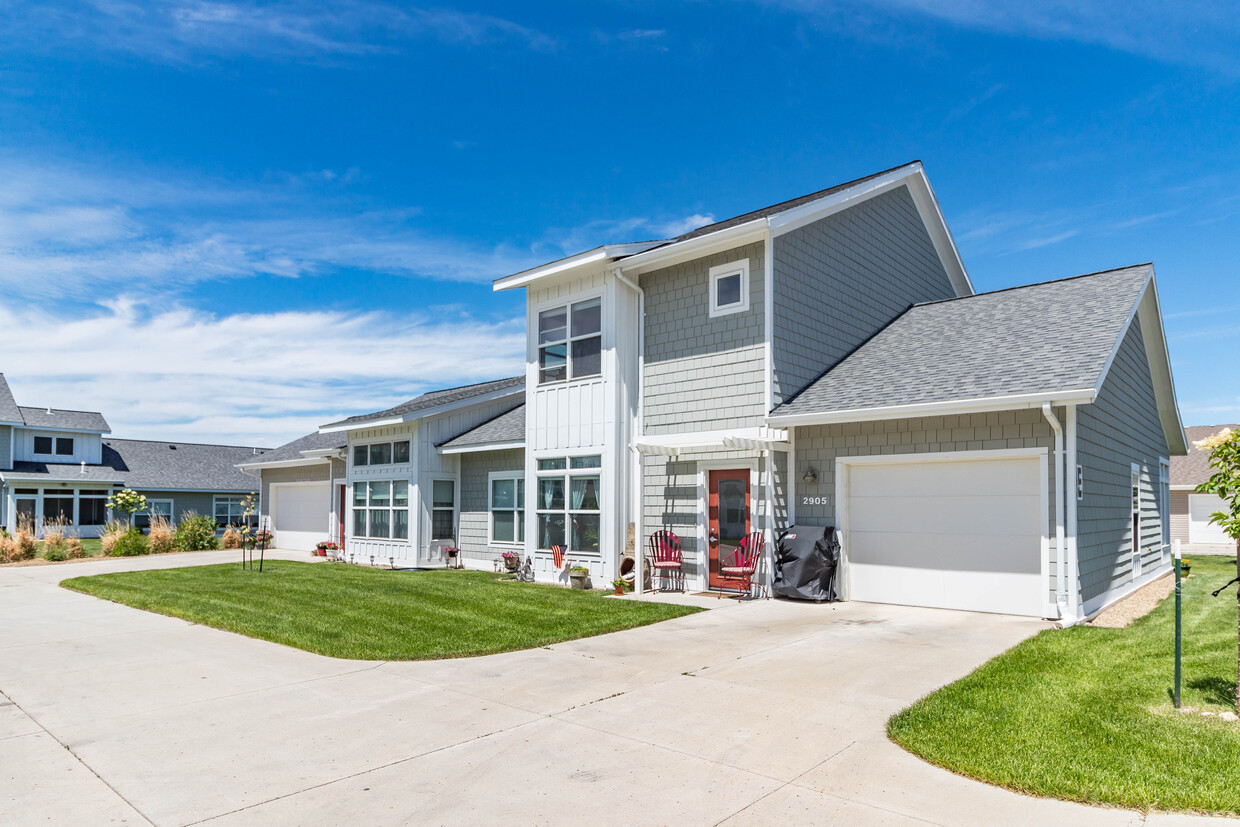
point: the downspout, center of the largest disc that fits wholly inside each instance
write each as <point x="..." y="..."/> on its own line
<point x="638" y="428"/>
<point x="1073" y="563"/>
<point x="1066" y="618"/>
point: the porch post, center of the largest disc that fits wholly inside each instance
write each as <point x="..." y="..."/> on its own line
<point x="639" y="549"/>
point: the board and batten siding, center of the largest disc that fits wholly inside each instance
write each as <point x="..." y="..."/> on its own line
<point x="1119" y="428"/>
<point x="818" y="446"/>
<point x="476" y="469"/>
<point x="841" y="279"/>
<point x="703" y="374"/>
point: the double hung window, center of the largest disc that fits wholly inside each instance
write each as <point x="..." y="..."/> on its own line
<point x="569" y="503"/>
<point x="570" y="341"/>
<point x="381" y="509"/>
<point x="508" y="508"/>
<point x="443" y="510"/>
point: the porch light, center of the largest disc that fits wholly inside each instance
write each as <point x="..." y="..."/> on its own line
<point x="811" y="476"/>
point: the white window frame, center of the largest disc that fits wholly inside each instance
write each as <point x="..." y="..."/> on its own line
<point x="519" y="513"/>
<point x="567" y="473"/>
<point x="723" y="271"/>
<point x="391" y="508"/>
<point x="1135" y="518"/>
<point x="391" y="451"/>
<point x="215" y="508"/>
<point x="568" y="340"/>
<point x="1164" y="505"/>
<point x="456" y="510"/>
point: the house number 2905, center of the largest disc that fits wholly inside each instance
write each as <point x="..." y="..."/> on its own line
<point x="814" y="501"/>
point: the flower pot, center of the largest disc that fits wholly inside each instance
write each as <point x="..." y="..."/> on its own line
<point x="511" y="563"/>
<point x="578" y="579"/>
<point x="619" y="592"/>
<point x="321" y="552"/>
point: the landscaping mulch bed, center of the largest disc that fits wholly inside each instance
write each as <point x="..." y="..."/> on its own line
<point x="1138" y="604"/>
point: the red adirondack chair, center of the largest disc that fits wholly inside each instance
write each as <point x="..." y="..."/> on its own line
<point x="740" y="566"/>
<point x="666" y="559"/>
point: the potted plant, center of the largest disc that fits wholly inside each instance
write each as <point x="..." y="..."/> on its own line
<point x="450" y="556"/>
<point x="620" y="585"/>
<point x="321" y="549"/>
<point x="578" y="575"/>
<point x="1185" y="567"/>
<point x="511" y="560"/>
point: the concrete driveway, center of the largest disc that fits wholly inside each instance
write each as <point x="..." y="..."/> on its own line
<point x="760" y="713"/>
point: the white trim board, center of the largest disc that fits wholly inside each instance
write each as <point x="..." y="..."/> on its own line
<point x="1077" y="396"/>
<point x="480" y="447"/>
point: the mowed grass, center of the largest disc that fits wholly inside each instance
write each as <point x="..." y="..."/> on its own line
<point x="348" y="611"/>
<point x="1086" y="713"/>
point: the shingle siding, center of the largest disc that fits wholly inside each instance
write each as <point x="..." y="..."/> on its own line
<point x="1121" y="427"/>
<point x="475" y="502"/>
<point x="703" y="373"/>
<point x="841" y="279"/>
<point x="819" y="445"/>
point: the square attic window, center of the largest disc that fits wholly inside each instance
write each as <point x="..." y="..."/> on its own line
<point x="729" y="288"/>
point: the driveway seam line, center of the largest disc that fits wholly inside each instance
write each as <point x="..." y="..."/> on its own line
<point x="79" y="759"/>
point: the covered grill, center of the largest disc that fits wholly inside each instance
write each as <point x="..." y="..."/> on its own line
<point x="806" y="560"/>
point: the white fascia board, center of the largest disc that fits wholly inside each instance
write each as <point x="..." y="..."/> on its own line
<point x="606" y="252"/>
<point x="14" y="424"/>
<point x="710" y="439"/>
<point x="795" y="217"/>
<point x="52" y="429"/>
<point x="283" y="463"/>
<point x="413" y="416"/>
<point x="482" y="446"/>
<point x="692" y="248"/>
<point x="1081" y="396"/>
<point x="325" y="453"/>
<point x="9" y="478"/>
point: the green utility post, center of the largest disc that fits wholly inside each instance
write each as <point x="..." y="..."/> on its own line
<point x="1177" y="624"/>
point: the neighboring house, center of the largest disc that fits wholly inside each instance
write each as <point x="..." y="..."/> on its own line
<point x="825" y="361"/>
<point x="61" y="465"/>
<point x="1190" y="512"/>
<point x="303" y="488"/>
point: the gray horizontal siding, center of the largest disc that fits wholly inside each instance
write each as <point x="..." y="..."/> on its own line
<point x="1179" y="516"/>
<point x="840" y="280"/>
<point x="184" y="503"/>
<point x="819" y="446"/>
<point x="475" y="516"/>
<point x="703" y="373"/>
<point x="1121" y="427"/>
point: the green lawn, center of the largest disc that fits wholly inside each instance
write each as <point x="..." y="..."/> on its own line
<point x="356" y="612"/>
<point x="1086" y="713"/>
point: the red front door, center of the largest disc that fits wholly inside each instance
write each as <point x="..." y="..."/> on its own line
<point x="341" y="515"/>
<point x="728" y="516"/>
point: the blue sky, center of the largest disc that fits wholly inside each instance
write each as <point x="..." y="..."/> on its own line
<point x="233" y="221"/>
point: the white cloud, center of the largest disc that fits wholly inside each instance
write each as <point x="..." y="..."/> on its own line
<point x="262" y="378"/>
<point x="180" y="31"/>
<point x="1198" y="32"/>
<point x="70" y="230"/>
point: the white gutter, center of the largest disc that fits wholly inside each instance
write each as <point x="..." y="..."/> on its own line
<point x="638" y="428"/>
<point x="982" y="404"/>
<point x="1066" y="618"/>
<point x="1073" y="562"/>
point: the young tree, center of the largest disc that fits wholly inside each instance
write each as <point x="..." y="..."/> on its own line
<point x="128" y="502"/>
<point x="1224" y="448"/>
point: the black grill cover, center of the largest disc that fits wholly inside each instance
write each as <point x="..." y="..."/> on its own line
<point x="806" y="558"/>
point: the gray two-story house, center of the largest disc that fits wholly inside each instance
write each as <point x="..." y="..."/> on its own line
<point x="826" y="361"/>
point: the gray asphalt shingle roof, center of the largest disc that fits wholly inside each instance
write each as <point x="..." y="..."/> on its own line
<point x="1194" y="467"/>
<point x="54" y="418"/>
<point x="8" y="406"/>
<point x="292" y="450"/>
<point x="61" y="471"/>
<point x="507" y="427"/>
<point x="148" y="465"/>
<point x="434" y="399"/>
<point x="1049" y="337"/>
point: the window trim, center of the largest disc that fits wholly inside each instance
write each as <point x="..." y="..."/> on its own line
<point x="456" y="510"/>
<point x="721" y="271"/>
<point x="240" y="518"/>
<point x="392" y="443"/>
<point x="519" y="518"/>
<point x="567" y="474"/>
<point x="34" y="445"/>
<point x="391" y="508"/>
<point x="72" y="446"/>
<point x="568" y="340"/>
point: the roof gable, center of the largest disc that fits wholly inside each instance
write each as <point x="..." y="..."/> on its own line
<point x="291" y="452"/>
<point x="8" y="407"/>
<point x="1194" y="467"/>
<point x="507" y="429"/>
<point x="54" y="419"/>
<point x="427" y="402"/>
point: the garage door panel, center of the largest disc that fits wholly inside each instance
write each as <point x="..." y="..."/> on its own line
<point x="300" y="515"/>
<point x="962" y="477"/>
<point x="960" y="534"/>
<point x="1010" y="516"/>
<point x="1200" y="529"/>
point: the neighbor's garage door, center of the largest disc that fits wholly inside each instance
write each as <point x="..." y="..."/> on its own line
<point x="961" y="534"/>
<point x="1200" y="529"/>
<point x="299" y="515"/>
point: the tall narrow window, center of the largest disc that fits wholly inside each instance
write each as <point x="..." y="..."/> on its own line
<point x="507" y="508"/>
<point x="380" y="509"/>
<point x="443" y="510"/>
<point x="400" y="509"/>
<point x="570" y="341"/>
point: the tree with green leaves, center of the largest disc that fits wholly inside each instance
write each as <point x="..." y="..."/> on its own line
<point x="1224" y="448"/>
<point x="128" y="502"/>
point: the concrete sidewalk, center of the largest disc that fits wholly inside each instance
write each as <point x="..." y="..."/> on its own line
<point x="757" y="713"/>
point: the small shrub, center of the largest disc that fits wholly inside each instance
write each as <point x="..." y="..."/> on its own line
<point x="55" y="543"/>
<point x="111" y="531"/>
<point x="27" y="545"/>
<point x="160" y="537"/>
<point x="74" y="547"/>
<point x="130" y="544"/>
<point x="9" y="550"/>
<point x="231" y="538"/>
<point x="196" y="532"/>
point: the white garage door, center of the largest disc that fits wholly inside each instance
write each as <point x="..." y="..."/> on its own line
<point x="299" y="515"/>
<point x="961" y="534"/>
<point x="1200" y="529"/>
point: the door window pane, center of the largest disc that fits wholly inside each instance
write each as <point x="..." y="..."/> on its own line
<point x="400" y="452"/>
<point x="733" y="516"/>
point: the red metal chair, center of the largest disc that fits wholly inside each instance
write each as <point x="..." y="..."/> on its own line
<point x="740" y="566"/>
<point x="666" y="559"/>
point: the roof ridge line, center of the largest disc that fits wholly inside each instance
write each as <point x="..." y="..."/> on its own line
<point x="1035" y="284"/>
<point x="182" y="442"/>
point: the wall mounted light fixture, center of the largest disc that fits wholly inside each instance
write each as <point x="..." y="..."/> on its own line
<point x="811" y="476"/>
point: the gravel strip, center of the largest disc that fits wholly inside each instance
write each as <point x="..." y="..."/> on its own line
<point x="1138" y="604"/>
